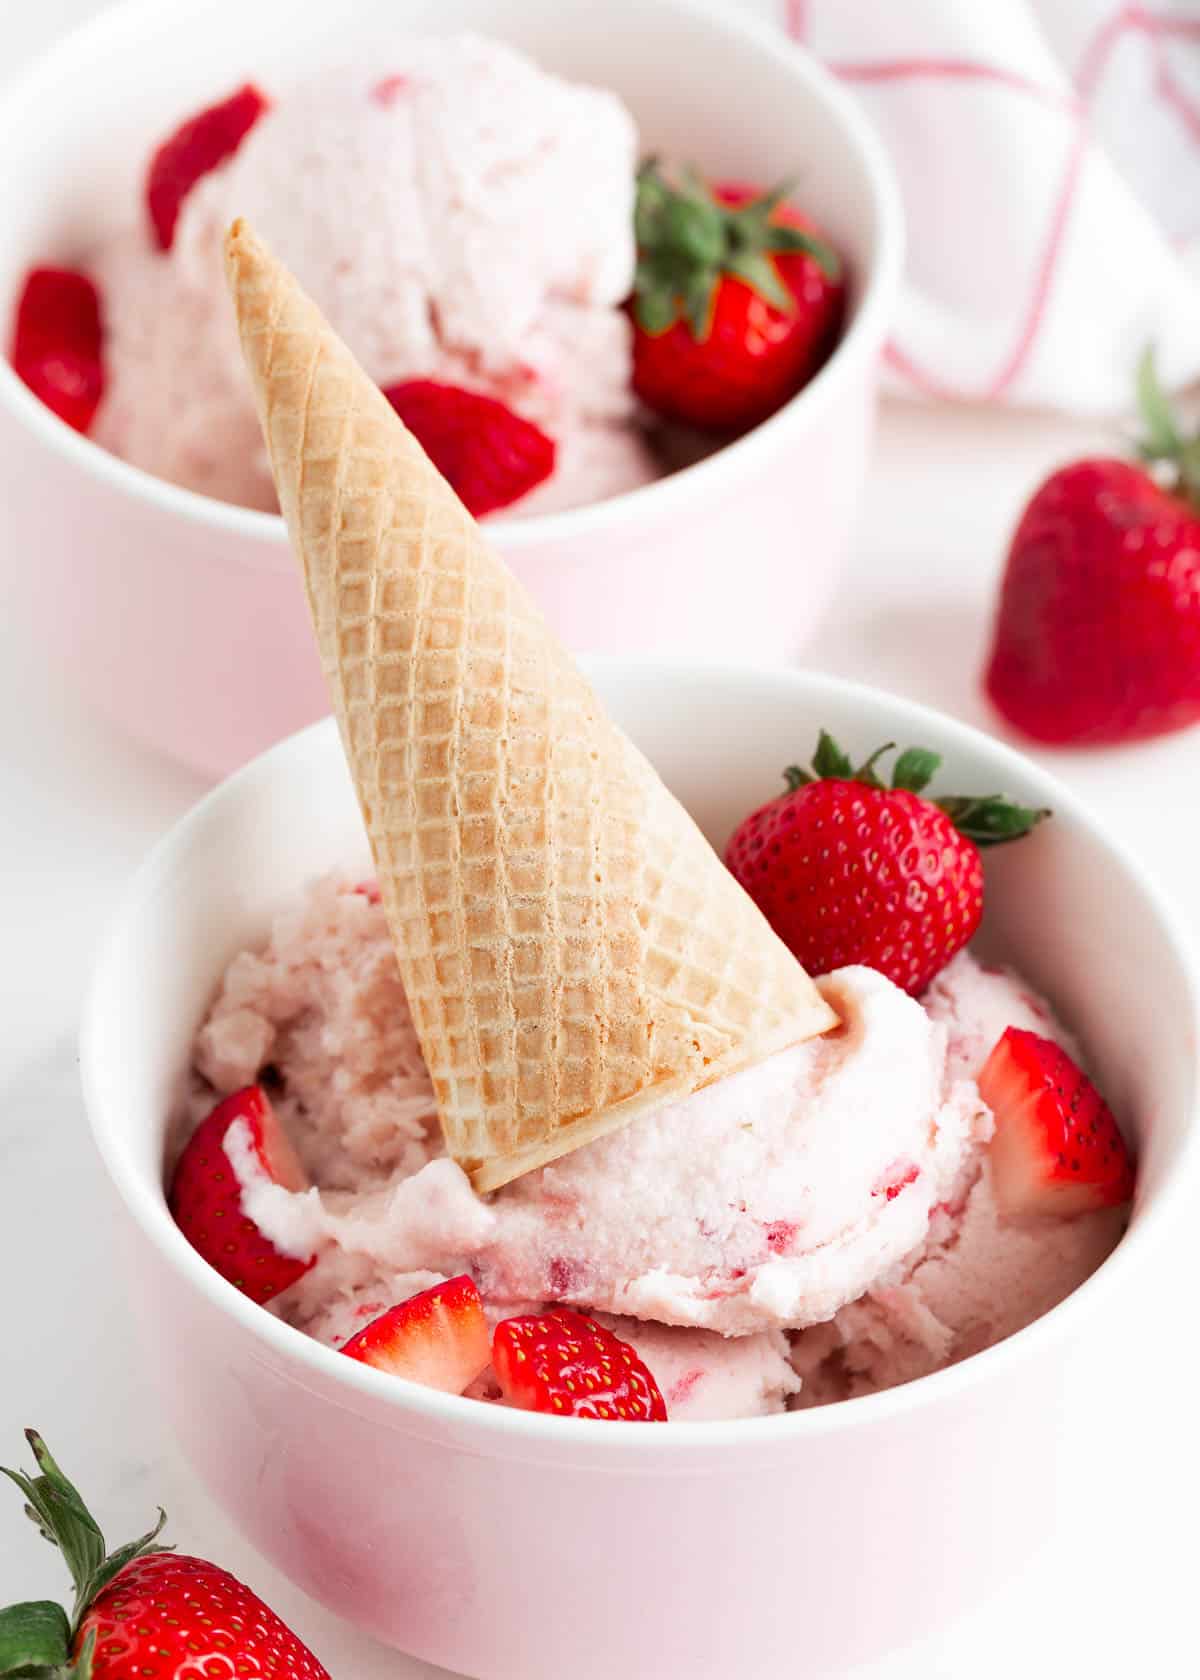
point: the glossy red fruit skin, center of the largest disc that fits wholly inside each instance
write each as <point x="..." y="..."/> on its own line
<point x="847" y="873"/>
<point x="438" y="1337"/>
<point x="566" y="1364"/>
<point x="57" y="344"/>
<point x="488" y="455"/>
<point x="1057" y="1147"/>
<point x="205" y="1202"/>
<point x="755" y="357"/>
<point x="176" y="1618"/>
<point x="1097" y="632"/>
<point x="196" y="148"/>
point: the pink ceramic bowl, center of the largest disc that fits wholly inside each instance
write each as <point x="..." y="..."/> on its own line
<point x="513" y="1546"/>
<point x="181" y="615"/>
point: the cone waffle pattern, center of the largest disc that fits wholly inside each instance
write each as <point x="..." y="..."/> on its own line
<point x="573" y="951"/>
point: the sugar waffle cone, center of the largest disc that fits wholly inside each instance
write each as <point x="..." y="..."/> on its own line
<point x="573" y="951"/>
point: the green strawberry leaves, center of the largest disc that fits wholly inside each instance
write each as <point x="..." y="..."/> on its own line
<point x="54" y="1504"/>
<point x="986" y="819"/>
<point x="1162" y="439"/>
<point x="686" y="241"/>
<point x="915" y="769"/>
<point x="35" y="1638"/>
<point x="991" y="819"/>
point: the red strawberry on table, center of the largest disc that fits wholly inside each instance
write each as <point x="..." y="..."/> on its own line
<point x="849" y="870"/>
<point x="490" y="456"/>
<point x="566" y="1364"/>
<point x="57" y="343"/>
<point x="140" y="1610"/>
<point x="1057" y="1148"/>
<point x="206" y="1197"/>
<point x="197" y="147"/>
<point x="737" y="301"/>
<point x="439" y="1338"/>
<point x="1097" y="633"/>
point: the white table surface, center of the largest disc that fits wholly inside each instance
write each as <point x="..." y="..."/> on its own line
<point x="1113" y="1596"/>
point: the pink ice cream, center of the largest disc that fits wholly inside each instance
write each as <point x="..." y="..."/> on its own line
<point x="978" y="1277"/>
<point x="831" y="1205"/>
<point x="455" y="212"/>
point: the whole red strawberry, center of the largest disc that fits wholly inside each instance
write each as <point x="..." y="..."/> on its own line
<point x="489" y="456"/>
<point x="140" y="1610"/>
<point x="737" y="301"/>
<point x="197" y="147"/>
<point x="566" y="1364"/>
<point x="849" y="870"/>
<point x="57" y="343"/>
<point x="1097" y="633"/>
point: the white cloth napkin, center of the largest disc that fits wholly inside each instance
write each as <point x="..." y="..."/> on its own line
<point x="1048" y="153"/>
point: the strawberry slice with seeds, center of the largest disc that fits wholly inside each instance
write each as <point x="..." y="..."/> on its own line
<point x="564" y="1363"/>
<point x="439" y="1338"/>
<point x="196" y="148"/>
<point x="206" y="1195"/>
<point x="489" y="456"/>
<point x="1057" y="1148"/>
<point x="57" y="343"/>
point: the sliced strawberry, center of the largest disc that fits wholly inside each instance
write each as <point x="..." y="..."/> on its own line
<point x="565" y="1363"/>
<point x="489" y="456"/>
<point x="196" y="148"/>
<point x="439" y="1338"/>
<point x="1057" y="1148"/>
<point x="57" y="343"/>
<point x="206" y="1197"/>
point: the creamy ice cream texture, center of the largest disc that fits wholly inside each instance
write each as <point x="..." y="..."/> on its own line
<point x="456" y="212"/>
<point x="847" y="1180"/>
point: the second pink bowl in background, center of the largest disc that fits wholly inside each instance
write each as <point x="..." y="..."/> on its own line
<point x="182" y="616"/>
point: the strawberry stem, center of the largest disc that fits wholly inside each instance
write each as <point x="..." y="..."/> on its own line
<point x="987" y="819"/>
<point x="1162" y="439"/>
<point x="687" y="241"/>
<point x="55" y="1505"/>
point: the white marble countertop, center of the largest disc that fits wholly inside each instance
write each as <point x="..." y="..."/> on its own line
<point x="1113" y="1593"/>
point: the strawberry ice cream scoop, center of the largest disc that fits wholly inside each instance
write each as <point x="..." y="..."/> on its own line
<point x="454" y="211"/>
<point x="767" y="1200"/>
<point x="844" y="1186"/>
<point x="980" y="1275"/>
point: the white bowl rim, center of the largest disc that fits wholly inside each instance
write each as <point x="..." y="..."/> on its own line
<point x="714" y="474"/>
<point x="505" y="1429"/>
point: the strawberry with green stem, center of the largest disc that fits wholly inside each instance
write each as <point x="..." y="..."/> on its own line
<point x="141" y="1612"/>
<point x="1097" y="630"/>
<point x="737" y="301"/>
<point x="848" y="869"/>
